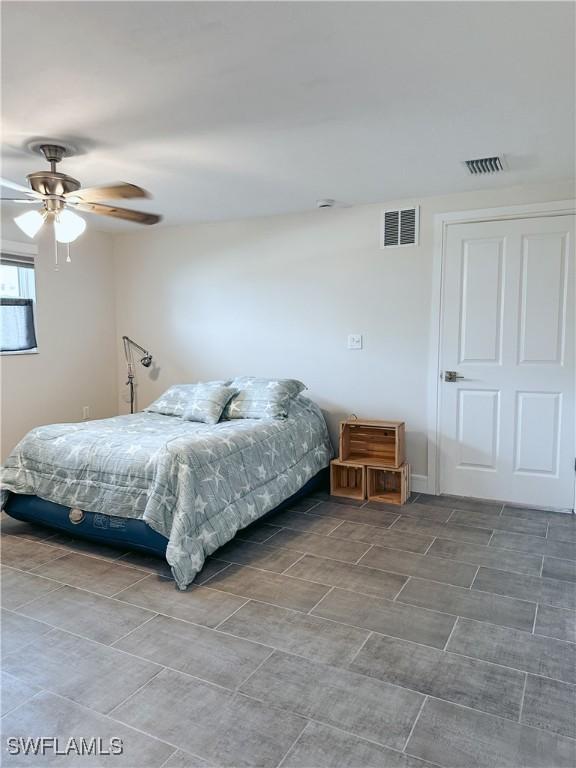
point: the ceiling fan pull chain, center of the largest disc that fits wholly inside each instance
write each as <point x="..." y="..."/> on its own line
<point x="68" y="259"/>
<point x="56" y="268"/>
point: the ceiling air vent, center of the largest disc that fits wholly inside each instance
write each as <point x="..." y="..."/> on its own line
<point x="400" y="227"/>
<point x="485" y="165"/>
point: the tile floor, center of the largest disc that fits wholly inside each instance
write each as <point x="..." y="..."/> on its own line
<point x="441" y="633"/>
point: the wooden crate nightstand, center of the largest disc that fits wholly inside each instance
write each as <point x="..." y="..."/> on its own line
<point x="348" y="480"/>
<point x="371" y="462"/>
<point x="390" y="485"/>
<point x="375" y="443"/>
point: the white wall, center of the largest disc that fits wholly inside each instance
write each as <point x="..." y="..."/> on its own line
<point x="277" y="296"/>
<point x="75" y="324"/>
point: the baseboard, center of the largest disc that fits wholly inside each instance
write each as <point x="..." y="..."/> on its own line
<point x="419" y="483"/>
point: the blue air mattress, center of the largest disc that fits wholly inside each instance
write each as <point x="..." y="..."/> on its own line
<point x="122" y="532"/>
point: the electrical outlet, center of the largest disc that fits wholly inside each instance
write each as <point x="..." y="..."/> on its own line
<point x="354" y="341"/>
<point x="86" y="412"/>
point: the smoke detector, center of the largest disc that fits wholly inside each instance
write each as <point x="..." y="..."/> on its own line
<point x="485" y="165"/>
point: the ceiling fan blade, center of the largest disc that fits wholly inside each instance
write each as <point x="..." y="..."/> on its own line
<point x="119" y="191"/>
<point x="18" y="187"/>
<point x="139" y="217"/>
<point x="27" y="201"/>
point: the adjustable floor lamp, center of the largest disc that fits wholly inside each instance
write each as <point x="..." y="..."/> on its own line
<point x="145" y="360"/>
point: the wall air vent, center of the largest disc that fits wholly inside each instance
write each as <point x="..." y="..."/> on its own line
<point x="485" y="165"/>
<point x="400" y="227"/>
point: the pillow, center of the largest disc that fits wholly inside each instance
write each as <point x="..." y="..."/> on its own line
<point x="262" y="398"/>
<point x="207" y="402"/>
<point x="173" y="402"/>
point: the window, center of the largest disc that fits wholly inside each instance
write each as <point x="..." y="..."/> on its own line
<point x="17" y="304"/>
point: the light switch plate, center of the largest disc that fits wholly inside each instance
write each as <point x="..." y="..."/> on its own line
<point x="354" y="341"/>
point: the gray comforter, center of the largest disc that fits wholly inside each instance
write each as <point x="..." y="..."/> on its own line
<point x="195" y="484"/>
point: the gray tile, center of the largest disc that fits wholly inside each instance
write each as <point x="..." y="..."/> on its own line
<point x="197" y="651"/>
<point x="422" y="511"/>
<point x="444" y="530"/>
<point x="566" y="520"/>
<point x="149" y="563"/>
<point x="326" y="499"/>
<point x="530" y="513"/>
<point x="309" y="523"/>
<point x="387" y="617"/>
<point x="19" y="587"/>
<point x="496" y="522"/>
<point x="562" y="594"/>
<point x="93" y="573"/>
<point x="295" y="632"/>
<point x="199" y="605"/>
<point x="554" y="568"/>
<point x="473" y="683"/>
<point x="519" y="650"/>
<point x="473" y="605"/>
<point x="363" y="706"/>
<point x="257" y="532"/>
<point x="506" y="560"/>
<point x="458" y="502"/>
<point x="454" y="737"/>
<point x="73" y="544"/>
<point x="533" y="544"/>
<point x="355" y="577"/>
<point x="556" y="622"/>
<point x="181" y="759"/>
<point x="409" y="542"/>
<point x="210" y="568"/>
<point x="91" y="674"/>
<point x="47" y="714"/>
<point x="334" y="548"/>
<point x="86" y="614"/>
<point x="324" y="747"/>
<point x="305" y="503"/>
<point x="268" y="587"/>
<point x="382" y="518"/>
<point x="551" y="705"/>
<point x="25" y="555"/>
<point x="14" y="692"/>
<point x="18" y="631"/>
<point x="269" y="558"/>
<point x="435" y="568"/>
<point x="223" y="728"/>
<point x="9" y="526"/>
<point x="563" y="528"/>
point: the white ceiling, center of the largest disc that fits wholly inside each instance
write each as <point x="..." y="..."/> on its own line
<point x="226" y="110"/>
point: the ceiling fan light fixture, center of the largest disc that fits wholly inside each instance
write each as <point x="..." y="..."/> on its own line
<point x="68" y="226"/>
<point x="30" y="222"/>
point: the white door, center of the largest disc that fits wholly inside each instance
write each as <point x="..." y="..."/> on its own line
<point x="507" y="426"/>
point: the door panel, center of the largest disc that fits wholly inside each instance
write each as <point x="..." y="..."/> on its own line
<point x="481" y="302"/>
<point x="478" y="428"/>
<point x="537" y="433"/>
<point x="507" y="426"/>
<point x="543" y="270"/>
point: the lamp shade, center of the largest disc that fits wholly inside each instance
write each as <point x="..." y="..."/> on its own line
<point x="30" y="222"/>
<point x="68" y="226"/>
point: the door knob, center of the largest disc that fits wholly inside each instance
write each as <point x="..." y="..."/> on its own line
<point x="452" y="376"/>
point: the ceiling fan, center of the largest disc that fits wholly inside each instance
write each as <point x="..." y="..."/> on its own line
<point x="60" y="196"/>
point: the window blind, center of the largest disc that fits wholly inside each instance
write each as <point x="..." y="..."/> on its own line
<point x="17" y="332"/>
<point x="14" y="260"/>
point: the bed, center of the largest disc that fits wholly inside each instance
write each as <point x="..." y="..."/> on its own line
<point x="169" y="486"/>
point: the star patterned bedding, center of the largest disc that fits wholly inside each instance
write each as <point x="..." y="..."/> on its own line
<point x="195" y="484"/>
